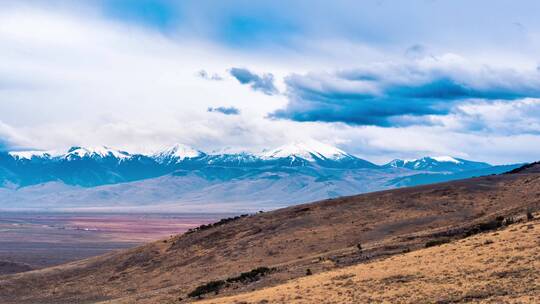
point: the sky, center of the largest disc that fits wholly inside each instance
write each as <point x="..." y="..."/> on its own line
<point x="380" y="79"/>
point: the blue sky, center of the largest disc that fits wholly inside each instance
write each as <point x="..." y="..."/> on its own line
<point x="381" y="79"/>
<point x="162" y="15"/>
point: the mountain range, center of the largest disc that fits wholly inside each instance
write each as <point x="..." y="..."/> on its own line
<point x="187" y="179"/>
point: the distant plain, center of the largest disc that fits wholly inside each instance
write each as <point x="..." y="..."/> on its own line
<point x="37" y="240"/>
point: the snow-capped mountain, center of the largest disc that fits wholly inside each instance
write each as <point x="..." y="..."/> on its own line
<point x="72" y="153"/>
<point x="176" y="154"/>
<point x="293" y="173"/>
<point x="82" y="166"/>
<point x="232" y="160"/>
<point x="438" y="164"/>
<point x="101" y="165"/>
<point x="28" y="155"/>
<point x="98" y="152"/>
<point x="310" y="151"/>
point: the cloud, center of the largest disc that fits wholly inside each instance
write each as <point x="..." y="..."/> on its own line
<point x="263" y="83"/>
<point x="399" y="95"/>
<point x="205" y="75"/>
<point x="225" y="110"/>
<point x="496" y="117"/>
<point x="9" y="138"/>
<point x="50" y="78"/>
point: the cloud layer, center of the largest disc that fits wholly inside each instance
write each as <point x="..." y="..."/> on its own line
<point x="390" y="95"/>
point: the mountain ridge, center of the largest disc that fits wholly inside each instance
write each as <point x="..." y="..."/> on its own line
<point x="109" y="166"/>
<point x="189" y="180"/>
<point x="438" y="164"/>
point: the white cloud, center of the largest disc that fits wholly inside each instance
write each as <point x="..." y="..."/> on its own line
<point x="10" y="139"/>
<point x="85" y="75"/>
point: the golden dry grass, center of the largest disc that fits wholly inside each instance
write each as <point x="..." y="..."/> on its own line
<point x="495" y="267"/>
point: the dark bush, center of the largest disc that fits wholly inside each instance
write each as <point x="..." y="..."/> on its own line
<point x="245" y="277"/>
<point x="219" y="223"/>
<point x="308" y="272"/>
<point x="359" y="246"/>
<point x="487" y="226"/>
<point x="437" y="242"/>
<point x="213" y="286"/>
<point x="250" y="276"/>
<point x="530" y="216"/>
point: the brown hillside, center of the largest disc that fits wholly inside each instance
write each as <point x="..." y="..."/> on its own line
<point x="319" y="236"/>
<point x="493" y="267"/>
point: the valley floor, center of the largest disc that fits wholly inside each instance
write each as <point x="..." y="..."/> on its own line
<point x="37" y="240"/>
<point x="495" y="267"/>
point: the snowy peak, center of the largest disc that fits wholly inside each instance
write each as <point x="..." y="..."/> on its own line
<point x="176" y="153"/>
<point x="310" y="151"/>
<point x="95" y="153"/>
<point x="73" y="153"/>
<point x="419" y="162"/>
<point x="28" y="155"/>
<point x="437" y="164"/>
<point x="448" y="159"/>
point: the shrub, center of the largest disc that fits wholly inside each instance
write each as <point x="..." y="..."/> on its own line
<point x="244" y="277"/>
<point x="218" y="223"/>
<point x="486" y="226"/>
<point x="308" y="272"/>
<point x="213" y="286"/>
<point x="436" y="242"/>
<point x="250" y="276"/>
<point x="359" y="246"/>
<point x="530" y="216"/>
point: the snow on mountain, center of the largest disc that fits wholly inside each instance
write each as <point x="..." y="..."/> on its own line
<point x="176" y="153"/>
<point x="28" y="155"/>
<point x="446" y="159"/>
<point x="104" y="165"/>
<point x="72" y="153"/>
<point x="236" y="158"/>
<point x="309" y="151"/>
<point x="95" y="152"/>
<point x="437" y="164"/>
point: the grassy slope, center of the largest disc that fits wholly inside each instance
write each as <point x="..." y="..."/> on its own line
<point x="494" y="267"/>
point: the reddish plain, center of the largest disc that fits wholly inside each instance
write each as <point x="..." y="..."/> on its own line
<point x="37" y="240"/>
